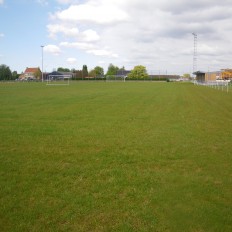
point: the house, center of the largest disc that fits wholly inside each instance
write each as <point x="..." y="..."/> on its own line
<point x="31" y="74"/>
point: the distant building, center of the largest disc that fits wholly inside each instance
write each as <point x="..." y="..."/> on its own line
<point x="122" y="73"/>
<point x="31" y="74"/>
<point x="165" y="77"/>
<point x="226" y="74"/>
<point x="55" y="75"/>
<point x="223" y="74"/>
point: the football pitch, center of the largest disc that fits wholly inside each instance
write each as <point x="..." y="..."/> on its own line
<point x="102" y="156"/>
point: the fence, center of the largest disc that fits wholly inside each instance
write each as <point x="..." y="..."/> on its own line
<point x="219" y="85"/>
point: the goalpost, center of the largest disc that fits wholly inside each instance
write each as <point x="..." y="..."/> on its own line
<point x="58" y="79"/>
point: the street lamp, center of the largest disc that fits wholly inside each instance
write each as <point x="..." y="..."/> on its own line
<point x="42" y="46"/>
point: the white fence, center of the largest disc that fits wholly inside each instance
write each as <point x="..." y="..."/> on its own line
<point x="219" y="85"/>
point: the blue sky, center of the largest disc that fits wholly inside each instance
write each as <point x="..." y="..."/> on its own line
<point x="23" y="29"/>
<point x="156" y="34"/>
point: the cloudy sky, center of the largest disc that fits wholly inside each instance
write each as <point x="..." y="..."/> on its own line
<point x="153" y="33"/>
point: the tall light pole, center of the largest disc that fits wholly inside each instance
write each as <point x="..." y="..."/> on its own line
<point x="194" y="52"/>
<point x="42" y="46"/>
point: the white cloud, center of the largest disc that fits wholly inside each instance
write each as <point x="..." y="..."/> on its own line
<point x="54" y="29"/>
<point x="53" y="49"/>
<point x="90" y="36"/>
<point x="68" y="31"/>
<point x="90" y="49"/>
<point x="93" y="13"/>
<point x="1" y="1"/>
<point x="72" y="60"/>
<point x="154" y="33"/>
<point x="205" y="49"/>
<point x="1" y="35"/>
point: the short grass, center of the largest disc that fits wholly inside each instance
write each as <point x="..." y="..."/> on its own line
<point x="102" y="156"/>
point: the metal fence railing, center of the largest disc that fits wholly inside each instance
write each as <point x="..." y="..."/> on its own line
<point x="219" y="85"/>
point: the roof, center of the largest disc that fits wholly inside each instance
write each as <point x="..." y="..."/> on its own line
<point x="203" y="72"/>
<point x="31" y="70"/>
<point x="55" y="73"/>
<point x="199" y="72"/>
<point x="123" y="72"/>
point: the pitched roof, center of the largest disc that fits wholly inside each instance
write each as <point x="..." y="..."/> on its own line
<point x="31" y="70"/>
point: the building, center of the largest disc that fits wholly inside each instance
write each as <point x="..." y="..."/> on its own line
<point x="122" y="73"/>
<point x="55" y="75"/>
<point x="212" y="76"/>
<point x="223" y="74"/>
<point x="31" y="74"/>
<point x="226" y="74"/>
<point x="164" y="77"/>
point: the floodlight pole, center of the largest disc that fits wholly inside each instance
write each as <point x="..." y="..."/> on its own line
<point x="42" y="46"/>
<point x="194" y="52"/>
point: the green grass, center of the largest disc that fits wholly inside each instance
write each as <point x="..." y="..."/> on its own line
<point x="115" y="157"/>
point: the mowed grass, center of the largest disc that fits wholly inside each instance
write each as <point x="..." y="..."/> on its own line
<point x="102" y="156"/>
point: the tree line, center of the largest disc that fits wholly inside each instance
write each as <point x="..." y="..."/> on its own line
<point x="95" y="72"/>
<point x="7" y="74"/>
<point x="139" y="72"/>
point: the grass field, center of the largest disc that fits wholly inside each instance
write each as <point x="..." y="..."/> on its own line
<point x="102" y="156"/>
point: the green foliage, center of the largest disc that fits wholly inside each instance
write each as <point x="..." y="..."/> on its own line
<point x="99" y="71"/>
<point x="186" y="75"/>
<point x="38" y="74"/>
<point x="139" y="72"/>
<point x="60" y="69"/>
<point x="92" y="73"/>
<point x="85" y="71"/>
<point x="96" y="72"/>
<point x="122" y="68"/>
<point x="5" y="73"/>
<point x="112" y="70"/>
<point x="115" y="157"/>
<point x="15" y="75"/>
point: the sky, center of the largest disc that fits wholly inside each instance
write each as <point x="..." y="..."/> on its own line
<point x="154" y="33"/>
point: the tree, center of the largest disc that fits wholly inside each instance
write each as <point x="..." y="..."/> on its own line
<point x="85" y="71"/>
<point x="99" y="71"/>
<point x="79" y="74"/>
<point x="5" y="72"/>
<point x="38" y="74"/>
<point x="186" y="75"/>
<point x="60" y="69"/>
<point x="139" y="72"/>
<point x="92" y="73"/>
<point x="112" y="70"/>
<point x="15" y="75"/>
<point x="122" y="68"/>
